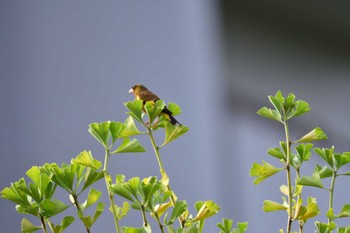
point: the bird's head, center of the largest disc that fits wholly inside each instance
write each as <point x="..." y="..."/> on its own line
<point x="137" y="88"/>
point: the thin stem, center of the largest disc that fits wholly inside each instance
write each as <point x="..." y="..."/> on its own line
<point x="301" y="226"/>
<point x="159" y="222"/>
<point x="110" y="194"/>
<point x="43" y="224"/>
<point x="331" y="193"/>
<point x="145" y="222"/>
<point x="161" y="168"/>
<point x="289" y="183"/>
<point x="160" y="163"/>
<point x="156" y="150"/>
<point x="76" y="203"/>
<point x="301" y="222"/>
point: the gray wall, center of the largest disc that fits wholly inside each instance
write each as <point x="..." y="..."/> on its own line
<point x="66" y="64"/>
<point x="301" y="48"/>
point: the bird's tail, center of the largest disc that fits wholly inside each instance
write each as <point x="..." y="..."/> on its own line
<point x="169" y="115"/>
<point x="173" y="121"/>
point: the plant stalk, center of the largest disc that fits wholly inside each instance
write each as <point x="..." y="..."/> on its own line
<point x="289" y="183"/>
<point x="110" y="194"/>
<point x="42" y="219"/>
<point x="159" y="222"/>
<point x="301" y="222"/>
<point x="160" y="163"/>
<point x="331" y="193"/>
<point x="76" y="203"/>
<point x="161" y="168"/>
<point x="145" y="223"/>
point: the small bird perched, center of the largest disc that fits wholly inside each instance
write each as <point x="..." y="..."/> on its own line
<point x="142" y="93"/>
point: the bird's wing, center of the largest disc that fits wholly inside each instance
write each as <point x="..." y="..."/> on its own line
<point x="148" y="96"/>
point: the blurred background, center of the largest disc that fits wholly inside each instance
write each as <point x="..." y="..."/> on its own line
<point x="65" y="64"/>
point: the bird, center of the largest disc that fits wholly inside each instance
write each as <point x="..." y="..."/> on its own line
<point x="142" y="93"/>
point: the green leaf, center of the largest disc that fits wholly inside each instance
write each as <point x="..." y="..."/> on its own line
<point x="38" y="188"/>
<point x="93" y="196"/>
<point x="129" y="189"/>
<point x="162" y="207"/>
<point x="193" y="229"/>
<point x="101" y="132"/>
<point x="308" y="212"/>
<point x="301" y="107"/>
<point x="130" y="128"/>
<point x="327" y="154"/>
<point x="179" y="208"/>
<point x="270" y="206"/>
<point x="344" y="229"/>
<point x="277" y="101"/>
<point x="174" y="108"/>
<point x="135" y="108"/>
<point x="123" y="210"/>
<point x="241" y="227"/>
<point x="345" y="211"/>
<point x="28" y="209"/>
<point x="303" y="154"/>
<point x="99" y="210"/>
<point x="90" y="177"/>
<point x="290" y="101"/>
<point x="225" y="225"/>
<point x="15" y="194"/>
<point x="315" y="135"/>
<point x="324" y="172"/>
<point x="64" y="177"/>
<point x="134" y="185"/>
<point x="53" y="207"/>
<point x="149" y="186"/>
<point x="341" y="159"/>
<point x="304" y="151"/>
<point x="34" y="174"/>
<point x="277" y="153"/>
<point x="165" y="178"/>
<point x="28" y="227"/>
<point x="66" y="222"/>
<point x="270" y="114"/>
<point x="85" y="158"/>
<point x="263" y="171"/>
<point x="171" y="229"/>
<point x="116" y="128"/>
<point x="172" y="132"/>
<point x="154" y="109"/>
<point x="287" y="107"/>
<point x="207" y="209"/>
<point x="330" y="214"/>
<point x="129" y="146"/>
<point x="145" y="229"/>
<point x="87" y="220"/>
<point x="324" y="227"/>
<point x="314" y="180"/>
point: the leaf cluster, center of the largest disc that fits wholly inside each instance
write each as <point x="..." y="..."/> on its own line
<point x="150" y="196"/>
<point x="284" y="109"/>
<point x="37" y="197"/>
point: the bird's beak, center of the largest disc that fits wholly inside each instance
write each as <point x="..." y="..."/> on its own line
<point x="131" y="90"/>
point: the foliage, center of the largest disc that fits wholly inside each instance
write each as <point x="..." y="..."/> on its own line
<point x="285" y="109"/>
<point x="151" y="197"/>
